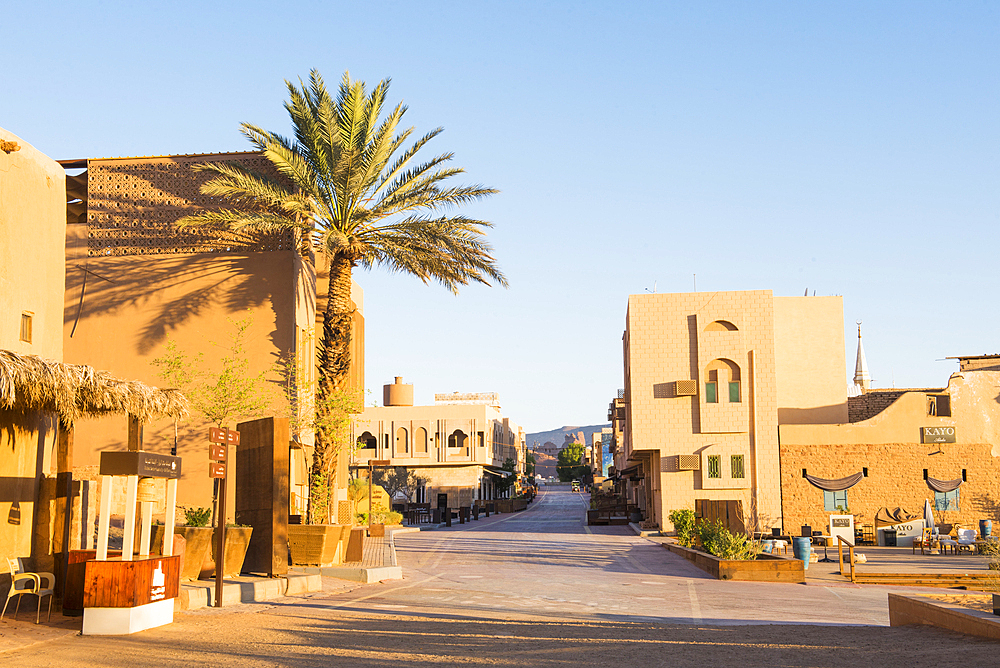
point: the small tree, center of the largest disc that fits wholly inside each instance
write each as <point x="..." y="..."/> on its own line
<point x="504" y="484"/>
<point x="569" y="463"/>
<point x="224" y="394"/>
<point x="529" y="465"/>
<point x="398" y="479"/>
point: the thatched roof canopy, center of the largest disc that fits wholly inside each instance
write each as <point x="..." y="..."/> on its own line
<point x="30" y="383"/>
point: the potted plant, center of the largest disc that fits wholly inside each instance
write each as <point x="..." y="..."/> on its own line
<point x="320" y="543"/>
<point x="237" y="541"/>
<point x="197" y="540"/>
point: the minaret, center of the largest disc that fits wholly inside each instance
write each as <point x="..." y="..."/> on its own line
<point x="862" y="380"/>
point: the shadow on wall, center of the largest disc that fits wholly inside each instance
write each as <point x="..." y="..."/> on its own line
<point x="202" y="283"/>
<point x="987" y="507"/>
<point x="832" y="414"/>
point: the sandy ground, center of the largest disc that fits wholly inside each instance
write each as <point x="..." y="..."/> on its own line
<point x="537" y="589"/>
<point x="322" y="632"/>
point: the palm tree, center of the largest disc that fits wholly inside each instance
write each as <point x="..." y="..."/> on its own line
<point x="351" y="190"/>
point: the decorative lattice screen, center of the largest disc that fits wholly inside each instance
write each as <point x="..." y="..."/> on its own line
<point x="133" y="205"/>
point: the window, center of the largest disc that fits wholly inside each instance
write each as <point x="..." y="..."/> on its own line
<point x="834" y="501"/>
<point x="402" y="442"/>
<point x="946" y="500"/>
<point x="420" y="440"/>
<point x="366" y="440"/>
<point x="737" y="464"/>
<point x="710" y="394"/>
<point x="714" y="466"/>
<point x="457" y="439"/>
<point x="734" y="392"/>
<point x="26" y="319"/>
<point x="939" y="405"/>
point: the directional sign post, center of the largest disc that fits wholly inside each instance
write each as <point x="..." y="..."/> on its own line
<point x="218" y="455"/>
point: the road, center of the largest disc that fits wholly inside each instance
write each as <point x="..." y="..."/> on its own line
<point x="536" y="588"/>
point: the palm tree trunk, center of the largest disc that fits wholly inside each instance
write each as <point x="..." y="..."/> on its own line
<point x="334" y="366"/>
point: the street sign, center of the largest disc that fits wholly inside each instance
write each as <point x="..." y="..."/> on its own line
<point x="217" y="470"/>
<point x="217" y="452"/>
<point x="378" y="462"/>
<point x="233" y="437"/>
<point x="216" y="435"/>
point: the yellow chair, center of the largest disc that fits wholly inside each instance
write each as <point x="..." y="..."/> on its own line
<point x="22" y="582"/>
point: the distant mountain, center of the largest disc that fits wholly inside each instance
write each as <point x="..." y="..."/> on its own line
<point x="558" y="436"/>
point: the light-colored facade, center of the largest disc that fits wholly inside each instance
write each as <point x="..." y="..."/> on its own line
<point x="708" y="377"/>
<point x="458" y="444"/>
<point x="32" y="229"/>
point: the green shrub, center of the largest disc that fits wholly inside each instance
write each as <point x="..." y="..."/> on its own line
<point x="683" y="521"/>
<point x="197" y="517"/>
<point x="718" y="541"/>
<point x="380" y="517"/>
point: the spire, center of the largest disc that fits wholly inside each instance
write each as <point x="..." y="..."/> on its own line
<point x="861" y="378"/>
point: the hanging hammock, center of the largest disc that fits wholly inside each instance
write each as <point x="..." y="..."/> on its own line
<point x="944" y="485"/>
<point x="836" y="485"/>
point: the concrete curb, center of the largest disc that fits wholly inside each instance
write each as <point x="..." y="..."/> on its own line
<point x="201" y="594"/>
<point x="642" y="533"/>
<point x="365" y="575"/>
<point x="905" y="610"/>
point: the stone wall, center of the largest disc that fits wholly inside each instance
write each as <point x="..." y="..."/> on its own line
<point x="895" y="479"/>
<point x="870" y="404"/>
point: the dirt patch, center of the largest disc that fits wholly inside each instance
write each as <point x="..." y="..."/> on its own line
<point x="982" y="602"/>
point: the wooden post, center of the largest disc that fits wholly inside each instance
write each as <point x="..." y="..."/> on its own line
<point x="371" y="470"/>
<point x="105" y="518"/>
<point x="220" y="538"/>
<point x="168" y="520"/>
<point x="128" y="541"/>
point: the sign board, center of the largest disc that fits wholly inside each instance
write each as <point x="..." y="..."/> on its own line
<point x="378" y="462"/>
<point x="217" y="452"/>
<point x="937" y="434"/>
<point x="216" y="469"/>
<point x="843" y="526"/>
<point x="140" y="463"/>
<point x="230" y="436"/>
<point x="905" y="532"/>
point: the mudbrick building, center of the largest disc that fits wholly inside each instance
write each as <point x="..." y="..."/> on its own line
<point x="900" y="448"/>
<point x="135" y="282"/>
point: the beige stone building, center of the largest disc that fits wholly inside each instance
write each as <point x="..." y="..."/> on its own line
<point x="903" y="447"/>
<point x="458" y="445"/>
<point x="708" y="378"/>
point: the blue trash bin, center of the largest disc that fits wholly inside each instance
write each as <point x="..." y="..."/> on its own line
<point x="802" y="549"/>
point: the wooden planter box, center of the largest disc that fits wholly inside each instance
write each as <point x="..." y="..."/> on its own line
<point x="765" y="568"/>
<point x="197" y="548"/>
<point x="317" y="544"/>
<point x="237" y="542"/>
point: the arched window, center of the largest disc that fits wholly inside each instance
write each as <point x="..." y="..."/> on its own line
<point x="420" y="441"/>
<point x="366" y="440"/>
<point x="402" y="442"/>
<point x="721" y="326"/>
<point x="722" y="378"/>
<point x="457" y="439"/>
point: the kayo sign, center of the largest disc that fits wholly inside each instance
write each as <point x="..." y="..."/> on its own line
<point x="937" y="434"/>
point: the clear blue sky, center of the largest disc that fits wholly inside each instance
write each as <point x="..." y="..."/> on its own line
<point x="851" y="148"/>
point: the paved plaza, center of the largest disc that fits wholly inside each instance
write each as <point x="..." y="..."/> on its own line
<point x="536" y="588"/>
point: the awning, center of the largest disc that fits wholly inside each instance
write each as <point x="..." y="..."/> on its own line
<point x="836" y="484"/>
<point x="631" y="471"/>
<point x="497" y="471"/>
<point x="944" y="485"/>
